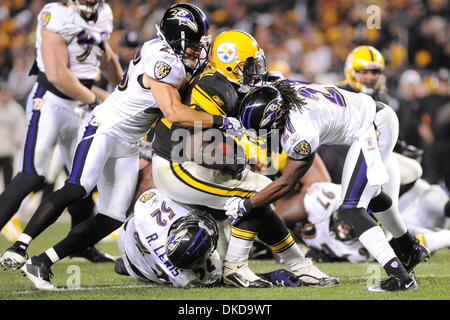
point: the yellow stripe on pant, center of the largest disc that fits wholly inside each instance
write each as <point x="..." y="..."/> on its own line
<point x="243" y="234"/>
<point x="284" y="244"/>
<point x="207" y="188"/>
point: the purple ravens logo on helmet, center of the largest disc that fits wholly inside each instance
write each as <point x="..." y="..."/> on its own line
<point x="175" y="241"/>
<point x="185" y="17"/>
<point x="270" y="112"/>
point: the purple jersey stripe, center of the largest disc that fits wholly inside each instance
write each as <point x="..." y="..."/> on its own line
<point x="80" y="155"/>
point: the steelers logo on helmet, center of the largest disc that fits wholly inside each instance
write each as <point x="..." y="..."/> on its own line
<point x="271" y="112"/>
<point x="226" y="52"/>
<point x="173" y="243"/>
<point x="185" y="17"/>
<point x="303" y="148"/>
<point x="161" y="70"/>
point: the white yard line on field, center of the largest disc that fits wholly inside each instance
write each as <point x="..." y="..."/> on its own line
<point x="87" y="288"/>
<point x="431" y="275"/>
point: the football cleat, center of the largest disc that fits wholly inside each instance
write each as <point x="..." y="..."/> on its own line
<point x="14" y="257"/>
<point x="310" y="275"/>
<point x="394" y="283"/>
<point x="418" y="254"/>
<point x="94" y="255"/>
<point x="39" y="274"/>
<point x="238" y="274"/>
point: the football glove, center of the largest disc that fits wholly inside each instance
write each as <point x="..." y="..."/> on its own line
<point x="230" y="123"/>
<point x="236" y="208"/>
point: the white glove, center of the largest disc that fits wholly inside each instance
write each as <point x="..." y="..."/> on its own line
<point x="230" y="123"/>
<point x="236" y="208"/>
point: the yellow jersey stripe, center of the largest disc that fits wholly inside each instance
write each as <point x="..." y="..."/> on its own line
<point x="203" y="100"/>
<point x="206" y="187"/>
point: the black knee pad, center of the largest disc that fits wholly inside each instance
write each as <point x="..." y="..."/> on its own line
<point x="380" y="203"/>
<point x="358" y="219"/>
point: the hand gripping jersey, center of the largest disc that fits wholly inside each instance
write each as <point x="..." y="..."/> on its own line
<point x="142" y="243"/>
<point x="85" y="39"/>
<point x="321" y="200"/>
<point x="131" y="109"/>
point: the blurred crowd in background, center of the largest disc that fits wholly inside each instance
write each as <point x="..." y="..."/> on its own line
<point x="304" y="39"/>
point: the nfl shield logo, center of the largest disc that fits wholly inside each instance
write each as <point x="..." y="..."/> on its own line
<point x="162" y="69"/>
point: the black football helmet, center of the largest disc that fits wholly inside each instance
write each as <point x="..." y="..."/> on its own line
<point x="262" y="108"/>
<point x="184" y="26"/>
<point x="192" y="239"/>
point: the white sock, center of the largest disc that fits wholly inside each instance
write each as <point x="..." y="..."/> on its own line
<point x="376" y="243"/>
<point x="291" y="256"/>
<point x="392" y="221"/>
<point x="238" y="249"/>
<point x="25" y="238"/>
<point x="53" y="256"/>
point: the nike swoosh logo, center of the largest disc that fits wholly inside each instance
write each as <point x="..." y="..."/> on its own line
<point x="409" y="284"/>
<point x="243" y="282"/>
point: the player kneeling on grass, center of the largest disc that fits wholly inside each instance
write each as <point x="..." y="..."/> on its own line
<point x="165" y="242"/>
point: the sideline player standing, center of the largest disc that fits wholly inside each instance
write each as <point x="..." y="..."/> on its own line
<point x="72" y="45"/>
<point x="107" y="152"/>
<point x="311" y="115"/>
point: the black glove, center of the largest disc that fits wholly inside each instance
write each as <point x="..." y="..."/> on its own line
<point x="92" y="105"/>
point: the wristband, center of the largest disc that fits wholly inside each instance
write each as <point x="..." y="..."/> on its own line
<point x="217" y="122"/>
<point x="247" y="205"/>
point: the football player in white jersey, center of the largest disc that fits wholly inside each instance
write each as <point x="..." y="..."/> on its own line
<point x="310" y="115"/>
<point x="324" y="231"/>
<point x="107" y="152"/>
<point x="236" y="60"/>
<point x="165" y="242"/>
<point x="71" y="49"/>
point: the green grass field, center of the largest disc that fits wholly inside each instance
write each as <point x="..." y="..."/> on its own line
<point x="99" y="282"/>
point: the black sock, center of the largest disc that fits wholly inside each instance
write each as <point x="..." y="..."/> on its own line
<point x="81" y="210"/>
<point x="42" y="260"/>
<point x="52" y="207"/>
<point x="86" y="234"/>
<point x="405" y="243"/>
<point x="395" y="268"/>
<point x="12" y="197"/>
<point x="21" y="245"/>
